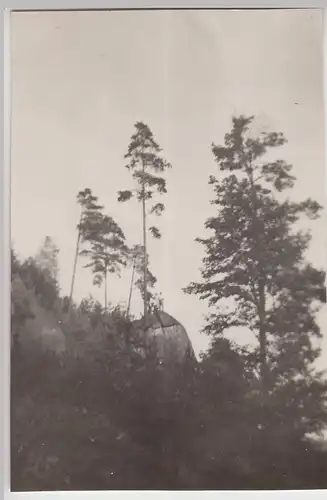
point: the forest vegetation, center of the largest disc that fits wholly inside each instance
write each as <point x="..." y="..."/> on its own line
<point x="93" y="406"/>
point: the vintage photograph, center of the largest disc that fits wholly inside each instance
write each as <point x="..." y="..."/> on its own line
<point x="168" y="250"/>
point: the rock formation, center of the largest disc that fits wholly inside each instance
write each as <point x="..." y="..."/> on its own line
<point x="167" y="334"/>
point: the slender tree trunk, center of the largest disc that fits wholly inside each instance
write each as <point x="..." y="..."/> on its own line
<point x="145" y="264"/>
<point x="75" y="265"/>
<point x="131" y="290"/>
<point x="263" y="348"/>
<point x="105" y="290"/>
<point x="258" y="229"/>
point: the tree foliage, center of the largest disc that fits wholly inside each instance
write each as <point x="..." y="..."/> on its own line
<point x="106" y="249"/>
<point x="47" y="259"/>
<point x="255" y="273"/>
<point x="145" y="163"/>
<point x="109" y="413"/>
<point x="102" y="240"/>
<point x="137" y="261"/>
<point x="91" y="212"/>
<point x="40" y="273"/>
<point x="89" y="208"/>
<point x="147" y="167"/>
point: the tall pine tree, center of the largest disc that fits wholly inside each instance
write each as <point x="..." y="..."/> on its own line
<point x="105" y="247"/>
<point x="89" y="207"/>
<point x="145" y="163"/>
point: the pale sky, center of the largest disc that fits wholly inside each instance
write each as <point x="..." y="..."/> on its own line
<point x="80" y="80"/>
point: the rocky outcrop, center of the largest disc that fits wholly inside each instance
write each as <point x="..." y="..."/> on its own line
<point x="167" y="334"/>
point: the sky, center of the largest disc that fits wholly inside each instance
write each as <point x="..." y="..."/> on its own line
<point x="80" y="81"/>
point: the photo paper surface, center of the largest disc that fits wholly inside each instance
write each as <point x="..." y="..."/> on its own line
<point x="168" y="317"/>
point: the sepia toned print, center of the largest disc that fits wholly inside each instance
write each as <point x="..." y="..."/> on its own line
<point x="168" y="302"/>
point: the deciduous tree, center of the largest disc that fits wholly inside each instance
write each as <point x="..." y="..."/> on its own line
<point x="255" y="273"/>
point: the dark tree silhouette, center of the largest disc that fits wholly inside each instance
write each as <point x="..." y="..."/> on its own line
<point x="106" y="248"/>
<point x="145" y="162"/>
<point x="254" y="272"/>
<point x="136" y="258"/>
<point x="89" y="205"/>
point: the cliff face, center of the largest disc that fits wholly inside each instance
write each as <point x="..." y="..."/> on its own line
<point x="168" y="335"/>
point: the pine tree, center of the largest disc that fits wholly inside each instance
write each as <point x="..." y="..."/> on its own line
<point x="145" y="163"/>
<point x="89" y="206"/>
<point x="255" y="274"/>
<point x="106" y="247"/>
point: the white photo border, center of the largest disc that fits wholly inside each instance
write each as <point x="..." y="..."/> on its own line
<point x="27" y="5"/>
